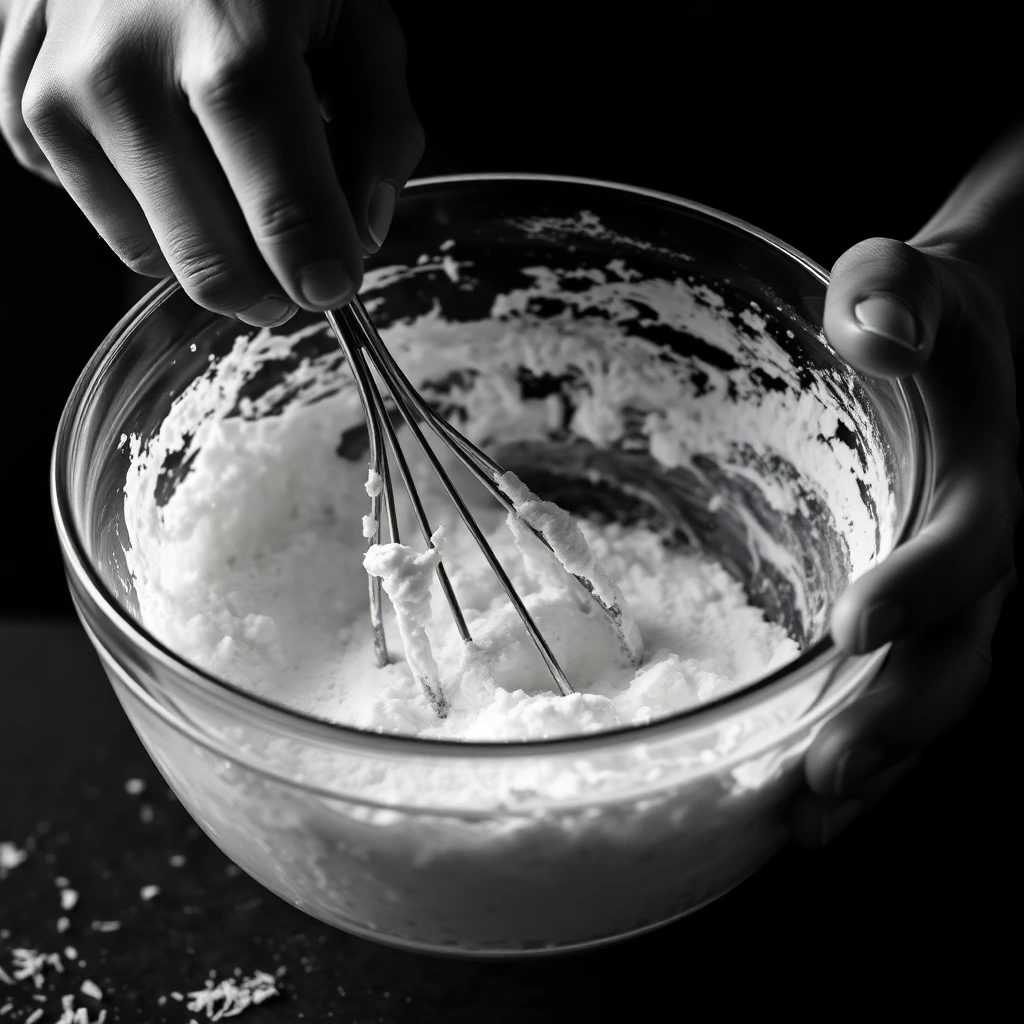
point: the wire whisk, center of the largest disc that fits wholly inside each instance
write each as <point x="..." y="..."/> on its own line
<point x="364" y="348"/>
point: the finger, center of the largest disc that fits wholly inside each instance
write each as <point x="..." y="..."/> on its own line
<point x="815" y="821"/>
<point x="963" y="550"/>
<point x="159" y="152"/>
<point x="374" y="134"/>
<point x="262" y="117"/>
<point x="89" y="178"/>
<point x="893" y="309"/>
<point x="884" y="307"/>
<point x="925" y="687"/>
<point x="22" y="39"/>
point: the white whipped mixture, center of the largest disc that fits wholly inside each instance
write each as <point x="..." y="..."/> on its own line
<point x="254" y="567"/>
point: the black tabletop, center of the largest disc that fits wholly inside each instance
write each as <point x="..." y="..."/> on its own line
<point x="909" y="906"/>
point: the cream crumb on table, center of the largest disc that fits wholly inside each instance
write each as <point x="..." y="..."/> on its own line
<point x="253" y="567"/>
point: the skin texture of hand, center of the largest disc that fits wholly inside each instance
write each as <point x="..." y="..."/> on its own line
<point x="894" y="309"/>
<point x="192" y="134"/>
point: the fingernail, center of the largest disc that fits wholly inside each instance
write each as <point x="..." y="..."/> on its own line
<point x="326" y="285"/>
<point x="380" y="212"/>
<point x="839" y="820"/>
<point x="855" y="766"/>
<point x="888" y="317"/>
<point x="269" y="312"/>
<point x="880" y="623"/>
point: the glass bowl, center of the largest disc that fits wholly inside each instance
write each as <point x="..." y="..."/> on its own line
<point x="517" y="848"/>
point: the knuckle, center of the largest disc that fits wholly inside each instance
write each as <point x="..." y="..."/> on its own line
<point x="209" y="280"/>
<point x="101" y="73"/>
<point x="43" y="109"/>
<point x="225" y="83"/>
<point x="142" y="256"/>
<point x="283" y="219"/>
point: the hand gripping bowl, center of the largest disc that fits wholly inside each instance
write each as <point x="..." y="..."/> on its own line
<point x="793" y="472"/>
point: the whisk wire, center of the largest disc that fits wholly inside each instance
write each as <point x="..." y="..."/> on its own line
<point x="384" y="495"/>
<point x="358" y="338"/>
<point x="418" y="510"/>
<point x="484" y="469"/>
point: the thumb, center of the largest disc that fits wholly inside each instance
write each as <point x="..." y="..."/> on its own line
<point x="375" y="137"/>
<point x="883" y="308"/>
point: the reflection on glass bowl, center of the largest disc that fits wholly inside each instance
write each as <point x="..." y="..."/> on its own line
<point x="738" y="434"/>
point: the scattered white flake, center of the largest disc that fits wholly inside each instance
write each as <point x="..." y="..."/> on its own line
<point x="134" y="787"/>
<point x="192" y="347"/>
<point x="79" y="1016"/>
<point x="146" y="813"/>
<point x="121" y="441"/>
<point x="10" y="858"/>
<point x="447" y="245"/>
<point x="147" y="892"/>
<point x="106" y="926"/>
<point x="70" y="953"/>
<point x="6" y="1009"/>
<point x="374" y="483"/>
<point x="451" y="268"/>
<point x="5" y="977"/>
<point x="68" y="899"/>
<point x="177" y="860"/>
<point x="177" y="997"/>
<point x="91" y="989"/>
<point x="28" y="964"/>
<point x="34" y="1016"/>
<point x="61" y="882"/>
<point x="230" y="998"/>
<point x="63" y="924"/>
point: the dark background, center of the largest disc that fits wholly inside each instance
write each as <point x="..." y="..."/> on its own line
<point x="820" y="129"/>
<point x="822" y="133"/>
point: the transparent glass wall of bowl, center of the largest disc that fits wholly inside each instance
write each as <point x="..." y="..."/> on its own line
<point x="648" y="829"/>
<point x="568" y="844"/>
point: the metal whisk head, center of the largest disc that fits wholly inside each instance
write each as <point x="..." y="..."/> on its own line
<point x="364" y="348"/>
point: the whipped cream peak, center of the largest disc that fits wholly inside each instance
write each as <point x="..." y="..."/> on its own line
<point x="566" y="541"/>
<point x="406" y="576"/>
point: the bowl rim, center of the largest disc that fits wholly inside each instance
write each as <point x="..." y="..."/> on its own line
<point x="823" y="655"/>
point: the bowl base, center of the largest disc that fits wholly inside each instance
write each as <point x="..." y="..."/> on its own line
<point x="447" y="953"/>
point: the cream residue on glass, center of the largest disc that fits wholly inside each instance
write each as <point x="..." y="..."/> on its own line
<point x="253" y="566"/>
